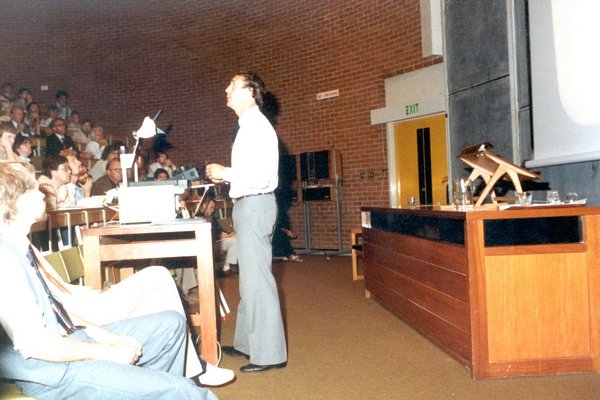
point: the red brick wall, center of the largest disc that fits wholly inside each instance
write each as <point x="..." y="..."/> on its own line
<point x="123" y="61"/>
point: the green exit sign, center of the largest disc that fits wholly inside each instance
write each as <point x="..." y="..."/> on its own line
<point x="412" y="109"/>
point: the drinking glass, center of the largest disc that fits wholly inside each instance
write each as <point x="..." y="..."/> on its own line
<point x="570" y="197"/>
<point x="525" y="198"/>
<point x="462" y="193"/>
<point x="412" y="202"/>
<point x="552" y="197"/>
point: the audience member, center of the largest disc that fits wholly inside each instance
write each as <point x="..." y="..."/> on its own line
<point x="52" y="115"/>
<point x="97" y="144"/>
<point x="64" y="341"/>
<point x="16" y="119"/>
<point x="109" y="153"/>
<point x="33" y="127"/>
<point x="62" y="97"/>
<point x="224" y="241"/>
<point x="58" y="140"/>
<point x="23" y="98"/>
<point x="223" y="236"/>
<point x="141" y="167"/>
<point x="74" y="128"/>
<point x="6" y="144"/>
<point x="162" y="161"/>
<point x="53" y="183"/>
<point x="81" y="131"/>
<point x="5" y="111"/>
<point x="81" y="184"/>
<point x="112" y="178"/>
<point x="6" y="92"/>
<point x="22" y="148"/>
<point x="284" y="195"/>
<point x="32" y="107"/>
<point x="161" y="174"/>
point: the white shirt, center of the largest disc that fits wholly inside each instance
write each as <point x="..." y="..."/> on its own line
<point x="156" y="165"/>
<point x="95" y="149"/>
<point x="254" y="157"/>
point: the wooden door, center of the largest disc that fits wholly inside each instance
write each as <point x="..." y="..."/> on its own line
<point x="421" y="160"/>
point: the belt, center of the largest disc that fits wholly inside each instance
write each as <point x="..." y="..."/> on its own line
<point x="250" y="195"/>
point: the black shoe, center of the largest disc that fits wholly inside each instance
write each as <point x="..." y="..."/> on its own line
<point x="261" y="368"/>
<point x="233" y="352"/>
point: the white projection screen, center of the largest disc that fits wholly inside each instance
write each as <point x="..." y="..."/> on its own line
<point x="565" y="79"/>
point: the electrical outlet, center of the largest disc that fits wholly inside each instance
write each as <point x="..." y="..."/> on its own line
<point x="371" y="175"/>
<point x="363" y="175"/>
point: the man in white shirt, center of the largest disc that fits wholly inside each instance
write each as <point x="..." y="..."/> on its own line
<point x="97" y="143"/>
<point x="259" y="333"/>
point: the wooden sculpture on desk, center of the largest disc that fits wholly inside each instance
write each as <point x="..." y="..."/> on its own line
<point x="491" y="168"/>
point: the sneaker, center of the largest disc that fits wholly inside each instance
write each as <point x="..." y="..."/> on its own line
<point x="215" y="376"/>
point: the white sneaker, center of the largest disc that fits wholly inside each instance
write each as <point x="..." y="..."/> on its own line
<point x="215" y="376"/>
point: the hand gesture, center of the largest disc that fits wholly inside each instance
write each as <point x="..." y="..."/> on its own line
<point x="87" y="185"/>
<point x="214" y="172"/>
<point x="125" y="352"/>
<point x="8" y="139"/>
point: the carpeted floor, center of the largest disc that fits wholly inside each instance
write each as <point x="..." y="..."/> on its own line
<point x="343" y="346"/>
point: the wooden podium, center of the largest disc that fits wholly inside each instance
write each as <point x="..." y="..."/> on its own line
<point x="491" y="168"/>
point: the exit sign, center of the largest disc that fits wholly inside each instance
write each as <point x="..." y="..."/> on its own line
<point x="412" y="109"/>
<point x="328" y="95"/>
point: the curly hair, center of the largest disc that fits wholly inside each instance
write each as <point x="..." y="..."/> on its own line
<point x="16" y="179"/>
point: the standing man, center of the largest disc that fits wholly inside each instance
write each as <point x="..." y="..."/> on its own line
<point x="259" y="332"/>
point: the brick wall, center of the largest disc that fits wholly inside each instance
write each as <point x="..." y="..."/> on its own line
<point x="123" y="61"/>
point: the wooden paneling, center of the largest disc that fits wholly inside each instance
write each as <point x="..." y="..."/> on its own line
<point x="453" y="311"/>
<point x="443" y="280"/>
<point x="591" y="232"/>
<point x="445" y="255"/>
<point x="452" y="340"/>
<point x="503" y="311"/>
<point x="537" y="306"/>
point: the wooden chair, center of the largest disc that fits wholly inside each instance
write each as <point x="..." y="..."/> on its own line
<point x="37" y="162"/>
<point x="118" y="138"/>
<point x="73" y="260"/>
<point x="357" y="251"/>
<point x="47" y="129"/>
<point x="68" y="264"/>
<point x="57" y="263"/>
<point x="38" y="144"/>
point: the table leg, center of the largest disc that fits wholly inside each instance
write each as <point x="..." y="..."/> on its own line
<point x="206" y="296"/>
<point x="91" y="262"/>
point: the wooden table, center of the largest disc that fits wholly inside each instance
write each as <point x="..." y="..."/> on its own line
<point x="137" y="242"/>
<point x="506" y="293"/>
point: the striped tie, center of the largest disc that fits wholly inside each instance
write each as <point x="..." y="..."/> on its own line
<point x="61" y="314"/>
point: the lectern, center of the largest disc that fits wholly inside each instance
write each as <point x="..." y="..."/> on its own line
<point x="491" y="168"/>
